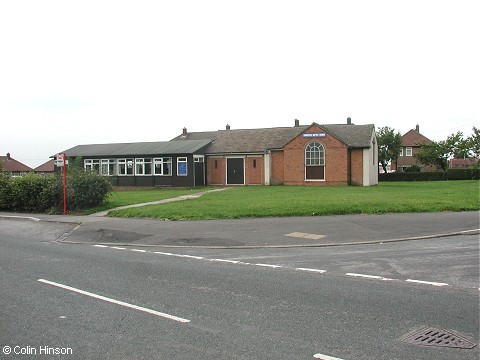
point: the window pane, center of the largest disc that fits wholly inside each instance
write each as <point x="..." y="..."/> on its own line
<point x="315" y="173"/>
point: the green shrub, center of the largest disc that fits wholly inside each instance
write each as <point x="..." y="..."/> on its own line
<point x="412" y="169"/>
<point x="450" y="174"/>
<point x="464" y="174"/>
<point x="36" y="193"/>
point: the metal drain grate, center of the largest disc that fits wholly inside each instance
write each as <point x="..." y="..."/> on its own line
<point x="429" y="336"/>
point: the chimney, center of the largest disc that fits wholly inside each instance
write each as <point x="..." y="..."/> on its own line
<point x="184" y="131"/>
<point x="227" y="127"/>
<point x="8" y="157"/>
<point x="349" y="120"/>
<point x="417" y="129"/>
<point x="297" y="123"/>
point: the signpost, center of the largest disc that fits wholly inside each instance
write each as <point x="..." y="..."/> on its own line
<point x="61" y="161"/>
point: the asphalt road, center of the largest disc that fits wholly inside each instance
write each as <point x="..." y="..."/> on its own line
<point x="91" y="300"/>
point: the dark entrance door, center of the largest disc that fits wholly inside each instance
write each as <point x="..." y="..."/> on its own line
<point x="235" y="171"/>
<point x="200" y="173"/>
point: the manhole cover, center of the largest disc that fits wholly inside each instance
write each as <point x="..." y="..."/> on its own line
<point x="429" y="336"/>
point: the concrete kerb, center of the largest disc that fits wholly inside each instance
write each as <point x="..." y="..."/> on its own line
<point x="372" y="242"/>
<point x="163" y="201"/>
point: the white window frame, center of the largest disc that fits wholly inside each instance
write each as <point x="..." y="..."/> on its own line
<point x="143" y="167"/>
<point x="163" y="163"/>
<point x="108" y="167"/>
<point x="311" y="160"/>
<point x="401" y="151"/>
<point x="408" y="151"/>
<point x="92" y="165"/>
<point x="129" y="167"/>
<point x="182" y="160"/>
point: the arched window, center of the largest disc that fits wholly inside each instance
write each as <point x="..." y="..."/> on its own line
<point x="314" y="161"/>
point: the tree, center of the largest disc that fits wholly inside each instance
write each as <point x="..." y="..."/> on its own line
<point x="474" y="142"/>
<point x="389" y="145"/>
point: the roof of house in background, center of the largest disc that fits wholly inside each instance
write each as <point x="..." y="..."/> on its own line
<point x="46" y="167"/>
<point x="414" y="138"/>
<point x="260" y="140"/>
<point x="141" y="148"/>
<point x="9" y="164"/>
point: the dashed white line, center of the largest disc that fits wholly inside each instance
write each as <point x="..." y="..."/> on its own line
<point x="311" y="270"/>
<point x="369" y="276"/>
<point x="269" y="266"/>
<point x="101" y="246"/>
<point x="325" y="357"/>
<point x="138" y="250"/>
<point x="225" y="261"/>
<point x="117" y="302"/>
<point x="118" y="248"/>
<point x="427" y="282"/>
<point x="163" y="253"/>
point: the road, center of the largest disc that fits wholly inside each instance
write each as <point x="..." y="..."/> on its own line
<point x="90" y="300"/>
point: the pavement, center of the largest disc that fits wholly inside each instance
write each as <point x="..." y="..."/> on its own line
<point x="263" y="232"/>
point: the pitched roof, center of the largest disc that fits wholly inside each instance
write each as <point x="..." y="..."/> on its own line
<point x="142" y="148"/>
<point x="245" y="140"/>
<point x="414" y="138"/>
<point x="355" y="136"/>
<point x="259" y="140"/>
<point x="46" y="167"/>
<point x="9" y="164"/>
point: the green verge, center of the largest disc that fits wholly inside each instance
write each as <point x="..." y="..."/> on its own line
<point x="281" y="201"/>
<point x="122" y="198"/>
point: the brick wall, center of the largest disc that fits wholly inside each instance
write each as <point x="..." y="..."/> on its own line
<point x="336" y="160"/>
<point x="357" y="166"/>
<point x="216" y="171"/>
<point x="277" y="167"/>
<point x="254" y="170"/>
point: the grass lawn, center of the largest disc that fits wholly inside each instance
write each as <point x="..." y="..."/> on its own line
<point x="265" y="201"/>
<point x="122" y="198"/>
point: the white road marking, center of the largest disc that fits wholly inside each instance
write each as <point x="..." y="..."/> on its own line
<point x="226" y="261"/>
<point x="427" y="282"/>
<point x="20" y="217"/>
<point x="113" y="301"/>
<point x="325" y="357"/>
<point x="375" y="277"/>
<point x="270" y="266"/>
<point x="311" y="270"/>
<point x="370" y="276"/>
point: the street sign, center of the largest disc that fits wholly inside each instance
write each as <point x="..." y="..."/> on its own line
<point x="60" y="162"/>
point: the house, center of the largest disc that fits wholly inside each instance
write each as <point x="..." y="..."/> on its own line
<point x="411" y="144"/>
<point x="46" y="169"/>
<point x="179" y="164"/>
<point x="462" y="163"/>
<point x="13" y="167"/>
<point x="343" y="154"/>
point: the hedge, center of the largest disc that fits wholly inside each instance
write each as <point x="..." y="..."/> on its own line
<point x="37" y="193"/>
<point x="450" y="174"/>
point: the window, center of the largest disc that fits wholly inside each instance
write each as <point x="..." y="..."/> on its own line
<point x="143" y="167"/>
<point x="254" y="163"/>
<point x="92" y="165"/>
<point x="197" y="158"/>
<point x="182" y="166"/>
<point x="162" y="166"/>
<point x="401" y="151"/>
<point x="408" y="151"/>
<point x="108" y="167"/>
<point x="216" y="164"/>
<point x="314" y="161"/>
<point x="125" y="166"/>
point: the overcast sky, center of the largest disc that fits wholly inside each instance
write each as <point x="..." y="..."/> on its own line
<point x="85" y="72"/>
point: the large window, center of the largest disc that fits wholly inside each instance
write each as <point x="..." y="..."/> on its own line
<point x="143" y="166"/>
<point x="108" y="167"/>
<point x="92" y="165"/>
<point x="125" y="166"/>
<point x="408" y="151"/>
<point x="163" y="166"/>
<point x="182" y="166"/>
<point x="314" y="161"/>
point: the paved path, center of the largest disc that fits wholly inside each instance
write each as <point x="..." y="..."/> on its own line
<point x="163" y="201"/>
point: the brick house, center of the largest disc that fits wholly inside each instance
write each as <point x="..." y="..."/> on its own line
<point x="13" y="167"/>
<point x="313" y="154"/>
<point x="411" y="144"/>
